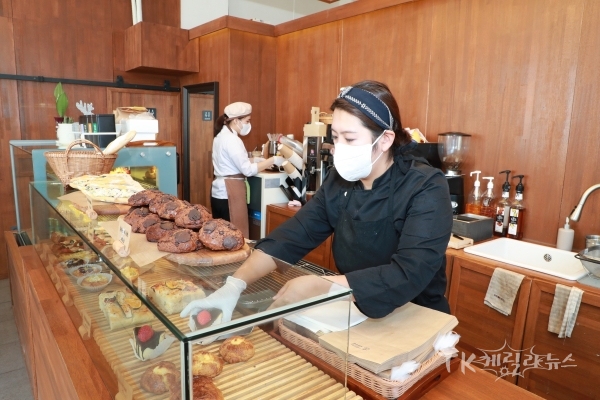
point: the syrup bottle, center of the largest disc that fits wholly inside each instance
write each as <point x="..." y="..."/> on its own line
<point x="473" y="205"/>
<point x="517" y="212"/>
<point x="503" y="209"/>
<point x="488" y="199"/>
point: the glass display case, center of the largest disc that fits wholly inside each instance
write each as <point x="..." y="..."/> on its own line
<point x="131" y="312"/>
<point x="152" y="167"/>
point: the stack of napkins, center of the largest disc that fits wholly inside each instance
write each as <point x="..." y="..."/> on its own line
<point x="380" y="344"/>
<point x="331" y="317"/>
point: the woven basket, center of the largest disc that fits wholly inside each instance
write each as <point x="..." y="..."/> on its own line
<point x="70" y="164"/>
<point x="385" y="387"/>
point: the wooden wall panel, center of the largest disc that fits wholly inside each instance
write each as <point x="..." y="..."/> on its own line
<point x="308" y="75"/>
<point x="491" y="68"/>
<point x="70" y="13"/>
<point x="38" y="107"/>
<point x="7" y="48"/>
<point x="5" y="8"/>
<point x="398" y="56"/>
<point x="61" y="50"/>
<point x="165" y="12"/>
<point x="252" y="70"/>
<point x="511" y="73"/>
<point x="581" y="169"/>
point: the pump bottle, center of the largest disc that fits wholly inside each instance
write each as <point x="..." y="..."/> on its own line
<point x="564" y="240"/>
<point x="503" y="209"/>
<point x="473" y="205"/>
<point x="488" y="200"/>
<point x="517" y="212"/>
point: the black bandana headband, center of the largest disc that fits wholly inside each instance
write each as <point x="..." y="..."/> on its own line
<point x="369" y="105"/>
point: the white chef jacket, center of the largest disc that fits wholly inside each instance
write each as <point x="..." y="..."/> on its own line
<point x="229" y="157"/>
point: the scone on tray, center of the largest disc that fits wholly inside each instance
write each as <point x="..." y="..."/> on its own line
<point x="173" y="295"/>
<point x="206" y="364"/>
<point x="123" y="309"/>
<point x="236" y="349"/>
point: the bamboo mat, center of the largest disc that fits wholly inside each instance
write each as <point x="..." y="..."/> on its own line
<point x="275" y="372"/>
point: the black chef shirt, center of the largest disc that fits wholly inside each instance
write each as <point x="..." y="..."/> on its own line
<point x="422" y="216"/>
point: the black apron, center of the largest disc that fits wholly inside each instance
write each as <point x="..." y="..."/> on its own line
<point x="364" y="244"/>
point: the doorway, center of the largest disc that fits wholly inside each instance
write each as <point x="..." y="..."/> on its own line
<point x="200" y="110"/>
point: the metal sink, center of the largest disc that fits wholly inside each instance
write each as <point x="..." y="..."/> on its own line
<point x="547" y="260"/>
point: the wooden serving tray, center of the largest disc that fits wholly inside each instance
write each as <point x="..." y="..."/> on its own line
<point x="206" y="257"/>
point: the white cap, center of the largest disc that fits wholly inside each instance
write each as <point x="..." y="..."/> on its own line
<point x="238" y="109"/>
<point x="490" y="184"/>
<point x="476" y="180"/>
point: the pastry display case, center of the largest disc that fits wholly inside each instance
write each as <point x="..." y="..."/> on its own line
<point x="153" y="167"/>
<point x="130" y="310"/>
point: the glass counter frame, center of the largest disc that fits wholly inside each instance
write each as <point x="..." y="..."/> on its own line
<point x="44" y="201"/>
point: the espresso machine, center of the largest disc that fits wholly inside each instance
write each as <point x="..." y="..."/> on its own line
<point x="317" y="156"/>
<point x="448" y="154"/>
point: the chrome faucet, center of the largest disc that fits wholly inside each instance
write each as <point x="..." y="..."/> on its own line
<point x="576" y="213"/>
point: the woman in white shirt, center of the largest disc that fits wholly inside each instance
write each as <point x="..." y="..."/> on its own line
<point x="232" y="165"/>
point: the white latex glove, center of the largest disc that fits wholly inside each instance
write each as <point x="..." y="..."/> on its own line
<point x="278" y="160"/>
<point x="225" y="298"/>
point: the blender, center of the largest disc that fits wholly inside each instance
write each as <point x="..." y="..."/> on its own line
<point x="452" y="150"/>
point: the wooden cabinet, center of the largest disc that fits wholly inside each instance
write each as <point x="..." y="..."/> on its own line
<point x="568" y="368"/>
<point x="481" y="327"/>
<point x="57" y="359"/>
<point x="550" y="367"/>
<point x="321" y="256"/>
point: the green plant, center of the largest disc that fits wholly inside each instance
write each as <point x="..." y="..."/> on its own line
<point x="62" y="102"/>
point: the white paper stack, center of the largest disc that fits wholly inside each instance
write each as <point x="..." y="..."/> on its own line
<point x="331" y="317"/>
<point x="380" y="344"/>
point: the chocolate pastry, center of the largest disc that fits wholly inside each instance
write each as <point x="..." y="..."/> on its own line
<point x="161" y="378"/>
<point x="192" y="217"/>
<point x="218" y="234"/>
<point x="206" y="364"/>
<point x="142" y="224"/>
<point x="160" y="199"/>
<point x="178" y="241"/>
<point x="169" y="209"/>
<point x="236" y="349"/>
<point x="156" y="231"/>
<point x="204" y="389"/>
<point x="143" y="198"/>
<point x="135" y="213"/>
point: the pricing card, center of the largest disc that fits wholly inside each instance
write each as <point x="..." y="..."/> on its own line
<point x="124" y="234"/>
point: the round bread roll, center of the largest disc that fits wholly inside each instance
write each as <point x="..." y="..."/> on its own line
<point x="236" y="349"/>
<point x="205" y="389"/>
<point x="192" y="217"/>
<point x="169" y="209"/>
<point x="135" y="213"/>
<point x="178" y="241"/>
<point x="206" y="364"/>
<point x="160" y="378"/>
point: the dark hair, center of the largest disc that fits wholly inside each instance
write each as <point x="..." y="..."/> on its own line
<point x="383" y="93"/>
<point x="220" y="123"/>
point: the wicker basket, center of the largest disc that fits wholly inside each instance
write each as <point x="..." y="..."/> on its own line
<point x="70" y="164"/>
<point x="385" y="387"/>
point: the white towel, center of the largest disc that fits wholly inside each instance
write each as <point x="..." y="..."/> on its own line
<point x="565" y="307"/>
<point x="502" y="290"/>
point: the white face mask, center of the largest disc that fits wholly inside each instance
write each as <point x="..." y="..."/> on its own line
<point x="245" y="129"/>
<point x="354" y="162"/>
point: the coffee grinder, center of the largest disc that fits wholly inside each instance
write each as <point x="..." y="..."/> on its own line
<point x="448" y="154"/>
<point x="453" y="148"/>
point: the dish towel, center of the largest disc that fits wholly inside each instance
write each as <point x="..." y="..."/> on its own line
<point x="565" y="307"/>
<point x="502" y="290"/>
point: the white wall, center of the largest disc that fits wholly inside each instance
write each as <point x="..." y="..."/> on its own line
<point x="273" y="12"/>
<point x="198" y="12"/>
